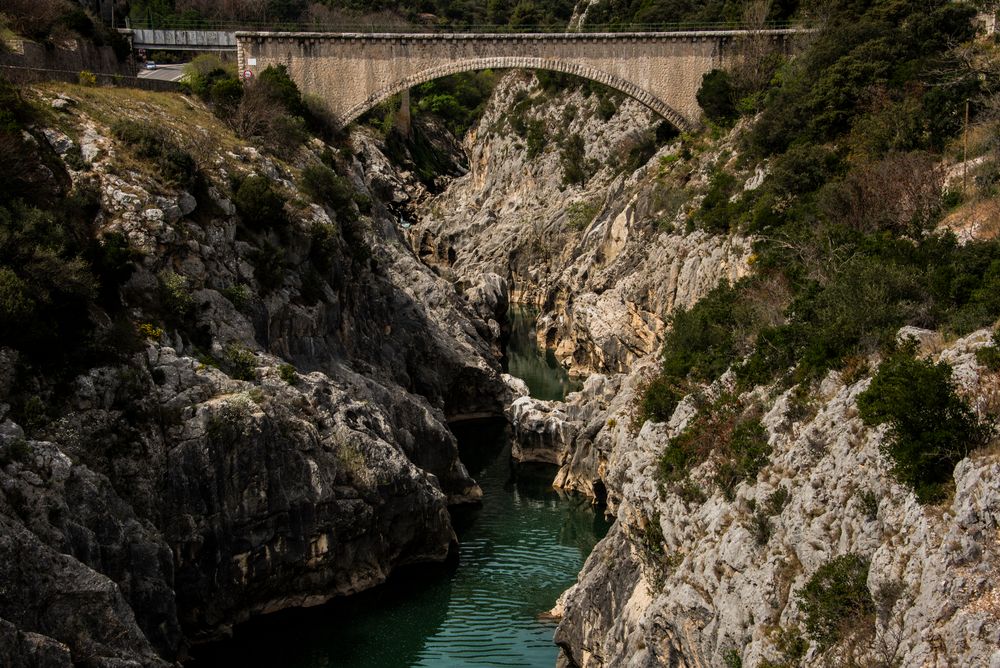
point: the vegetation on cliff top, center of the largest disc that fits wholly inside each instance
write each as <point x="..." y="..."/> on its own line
<point x="846" y="250"/>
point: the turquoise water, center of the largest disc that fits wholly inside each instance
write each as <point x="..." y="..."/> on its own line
<point x="517" y="553"/>
<point x="546" y="378"/>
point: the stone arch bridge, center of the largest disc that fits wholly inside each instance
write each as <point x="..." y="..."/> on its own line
<point x="354" y="72"/>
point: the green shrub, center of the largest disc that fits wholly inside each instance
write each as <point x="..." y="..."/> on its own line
<point x="777" y="501"/>
<point x="281" y="88"/>
<point x="211" y="79"/>
<point x="239" y="294"/>
<point x="868" y="500"/>
<point x="606" y="108"/>
<point x="87" y="78"/>
<point x="708" y="338"/>
<point x="14" y="450"/>
<point x="573" y="159"/>
<point x="736" y="437"/>
<point x="747" y="452"/>
<point x="836" y="601"/>
<point x="760" y="527"/>
<point x="323" y="246"/>
<point x="239" y="362"/>
<point x="931" y="428"/>
<point x="259" y="205"/>
<point x="288" y="374"/>
<point x="717" y="98"/>
<point x="989" y="356"/>
<point x="536" y="138"/>
<point x="658" y="400"/>
<point x="149" y="142"/>
<point x="175" y="295"/>
<point x="718" y="214"/>
<point x="324" y="186"/>
<point x="579" y="215"/>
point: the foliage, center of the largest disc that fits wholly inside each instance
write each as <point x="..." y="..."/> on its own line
<point x="836" y="600"/>
<point x="239" y="361"/>
<point x="746" y="454"/>
<point x="760" y="527"/>
<point x="777" y="501"/>
<point x="288" y="374"/>
<point x="175" y="295"/>
<point x="150" y="331"/>
<point x="326" y="187"/>
<point x="735" y="437"/>
<point x="708" y="338"/>
<point x="868" y="500"/>
<point x="658" y="400"/>
<point x="87" y="78"/>
<point x="732" y="658"/>
<point x="931" y="428"/>
<point x="573" y="159"/>
<point x="579" y="215"/>
<point x="989" y="356"/>
<point x="459" y="100"/>
<point x="238" y="294"/>
<point x="536" y="138"/>
<point x="873" y="47"/>
<point x="716" y="97"/>
<point x="149" y="142"/>
<point x="270" y="267"/>
<point x="214" y="81"/>
<point x="260" y="206"/>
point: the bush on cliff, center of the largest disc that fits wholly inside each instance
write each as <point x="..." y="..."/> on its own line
<point x="172" y="163"/>
<point x="931" y="428"/>
<point x="259" y="205"/>
<point x="836" y="601"/>
<point x="717" y="98"/>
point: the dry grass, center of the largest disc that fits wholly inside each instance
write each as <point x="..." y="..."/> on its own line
<point x="189" y="122"/>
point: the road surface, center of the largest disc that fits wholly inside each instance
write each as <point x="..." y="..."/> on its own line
<point x="163" y="72"/>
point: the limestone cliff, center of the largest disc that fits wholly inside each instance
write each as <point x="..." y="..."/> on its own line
<point x="606" y="258"/>
<point x="720" y="585"/>
<point x="283" y="442"/>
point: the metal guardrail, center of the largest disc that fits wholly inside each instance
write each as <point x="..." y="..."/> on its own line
<point x="168" y="23"/>
<point x="16" y="74"/>
<point x="184" y="40"/>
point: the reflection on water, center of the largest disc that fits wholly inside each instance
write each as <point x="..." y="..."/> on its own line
<point x="546" y="378"/>
<point x="519" y="551"/>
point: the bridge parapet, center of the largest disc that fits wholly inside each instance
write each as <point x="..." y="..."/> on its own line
<point x="182" y="40"/>
<point x="353" y="72"/>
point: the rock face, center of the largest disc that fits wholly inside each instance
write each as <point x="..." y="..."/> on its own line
<point x="715" y="588"/>
<point x="606" y="260"/>
<point x="280" y="440"/>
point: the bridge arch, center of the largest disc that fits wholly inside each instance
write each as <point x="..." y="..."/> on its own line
<point x="630" y="89"/>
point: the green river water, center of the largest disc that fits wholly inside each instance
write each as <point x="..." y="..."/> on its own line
<point x="518" y="552"/>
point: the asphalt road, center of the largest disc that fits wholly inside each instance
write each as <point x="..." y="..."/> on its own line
<point x="163" y="72"/>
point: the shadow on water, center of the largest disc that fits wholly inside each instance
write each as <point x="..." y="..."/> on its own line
<point x="546" y="378"/>
<point x="518" y="551"/>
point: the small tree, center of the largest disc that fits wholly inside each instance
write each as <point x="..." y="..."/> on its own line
<point x="574" y="162"/>
<point x="836" y="600"/>
<point x="260" y="206"/>
<point x="931" y="427"/>
<point x="717" y="98"/>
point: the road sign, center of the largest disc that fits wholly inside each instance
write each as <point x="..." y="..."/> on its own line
<point x="247" y="74"/>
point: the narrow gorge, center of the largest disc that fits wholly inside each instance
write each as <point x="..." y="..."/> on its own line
<point x="522" y="375"/>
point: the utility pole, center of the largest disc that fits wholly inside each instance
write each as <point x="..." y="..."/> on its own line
<point x="965" y="153"/>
